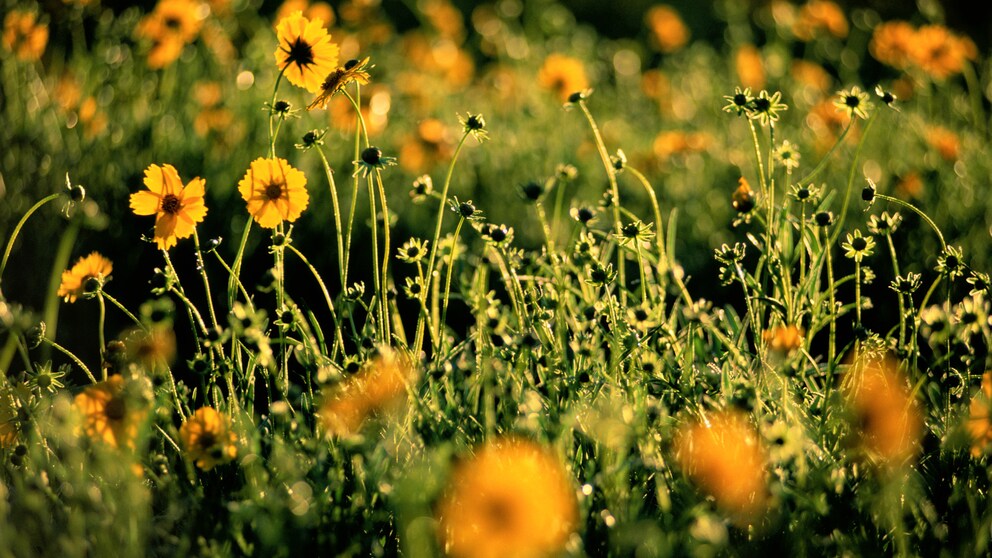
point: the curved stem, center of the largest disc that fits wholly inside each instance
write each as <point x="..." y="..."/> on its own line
<point x="385" y="255"/>
<point x="823" y="162"/>
<point x="272" y="113"/>
<point x="337" y="214"/>
<point x="447" y="280"/>
<point x="850" y="180"/>
<point x="922" y="215"/>
<point x="236" y="268"/>
<point x="206" y="281"/>
<point x="127" y="312"/>
<point x="17" y="230"/>
<point x="327" y="297"/>
<point x="74" y="358"/>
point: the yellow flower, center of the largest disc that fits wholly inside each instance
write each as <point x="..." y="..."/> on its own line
<point x="24" y="36"/>
<point x="817" y="16"/>
<point x="667" y="29"/>
<point x="944" y="142"/>
<point x="275" y="192"/>
<point x="306" y="53"/>
<point x="337" y="80"/>
<point x="154" y="349"/>
<point x="74" y="279"/>
<point x="108" y="415"/>
<point x="784" y="339"/>
<point x="177" y="210"/>
<point x="169" y="27"/>
<point x="512" y="498"/>
<point x="208" y="438"/>
<point x="724" y="456"/>
<point x="979" y="418"/>
<point x="886" y="416"/>
<point x="811" y="75"/>
<point x="562" y="75"/>
<point x="373" y="389"/>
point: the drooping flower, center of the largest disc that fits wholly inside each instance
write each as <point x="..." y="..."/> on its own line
<point x="512" y="498"/>
<point x="335" y="82"/>
<point x="177" y="210"/>
<point x="562" y="75"/>
<point x="208" y="439"/>
<point x="275" y="192"/>
<point x="93" y="266"/>
<point x="108" y="414"/>
<point x="24" y="35"/>
<point x="305" y="54"/>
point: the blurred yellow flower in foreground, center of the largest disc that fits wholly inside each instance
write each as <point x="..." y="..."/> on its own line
<point x="107" y="413"/>
<point x="24" y="36"/>
<point x="886" y="416"/>
<point x="375" y="388"/>
<point x="512" y="498"/>
<point x="305" y="53"/>
<point x="562" y="75"/>
<point x="208" y="438"/>
<point x="177" y="210"/>
<point x="784" y="339"/>
<point x="750" y="68"/>
<point x="74" y="279"/>
<point x="275" y="192"/>
<point x="724" y="456"/>
<point x="980" y="417"/>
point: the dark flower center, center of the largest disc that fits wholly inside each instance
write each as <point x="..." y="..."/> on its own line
<point x="952" y="262"/>
<point x="115" y="409"/>
<point x="274" y="191"/>
<point x="412" y="251"/>
<point x="585" y="215"/>
<point x="740" y="99"/>
<point x="640" y="314"/>
<point x="300" y="53"/>
<point x="207" y="440"/>
<point x="466" y="210"/>
<point x="803" y="193"/>
<point x="762" y="105"/>
<point x="859" y="244"/>
<point x="598" y="275"/>
<point x="630" y="230"/>
<point x="172" y="23"/>
<point x="498" y="513"/>
<point x="372" y="156"/>
<point x="171" y="204"/>
<point x="852" y="101"/>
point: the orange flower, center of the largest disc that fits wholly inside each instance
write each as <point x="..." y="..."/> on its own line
<point x="939" y="52"/>
<point x="750" y="68"/>
<point x="315" y="10"/>
<point x="811" y="75"/>
<point x="886" y="416"/>
<point x="208" y="438"/>
<point x="93" y="266"/>
<point x="784" y="339"/>
<point x="668" y="31"/>
<point x="891" y="43"/>
<point x="425" y="149"/>
<point x="24" y="36"/>
<point x="305" y="53"/>
<point x="172" y="25"/>
<point x="675" y="142"/>
<point x="819" y="16"/>
<point x="177" y="210"/>
<point x="108" y="414"/>
<point x="944" y="142"/>
<point x="275" y="192"/>
<point x="724" y="456"/>
<point x="910" y="185"/>
<point x="375" y="388"/>
<point x="512" y="498"/>
<point x="979" y="418"/>
<point x="562" y="75"/>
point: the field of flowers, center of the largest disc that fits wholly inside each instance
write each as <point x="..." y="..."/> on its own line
<point x="487" y="279"/>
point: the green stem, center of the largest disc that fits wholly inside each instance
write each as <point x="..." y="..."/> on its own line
<point x="902" y="308"/>
<point x="823" y="162"/>
<point x="375" y="258"/>
<point x="850" y="180"/>
<point x="127" y="312"/>
<point x="272" y="113"/>
<point x="236" y="271"/>
<point x="236" y="281"/>
<point x="102" y="320"/>
<point x="447" y="280"/>
<point x="61" y="261"/>
<point x="914" y="209"/>
<point x="17" y="230"/>
<point x="327" y="297"/>
<point x="74" y="358"/>
<point x="337" y="214"/>
<point x="385" y="255"/>
<point x="206" y="282"/>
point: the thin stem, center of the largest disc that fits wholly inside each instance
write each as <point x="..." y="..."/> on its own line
<point x="375" y="258"/>
<point x="757" y="156"/>
<point x="74" y="358"/>
<point x="823" y="162"/>
<point x="914" y="209"/>
<point x="831" y="288"/>
<point x="447" y="280"/>
<point x="902" y="308"/>
<point x="272" y="113"/>
<point x="206" y="282"/>
<point x="850" y="180"/>
<point x="337" y="214"/>
<point x="236" y="271"/>
<point x="234" y="278"/>
<point x="659" y="228"/>
<point x="127" y="312"/>
<point x="385" y="255"/>
<point x="100" y="326"/>
<point x="327" y="297"/>
<point x="17" y="230"/>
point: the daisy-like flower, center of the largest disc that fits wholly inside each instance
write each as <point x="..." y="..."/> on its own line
<point x="765" y="108"/>
<point x="353" y="71"/>
<point x="887" y="97"/>
<point x="371" y="160"/>
<point x="787" y="155"/>
<point x="108" y="414"/>
<point x="951" y="262"/>
<point x="413" y="251"/>
<point x="275" y="192"/>
<point x="738" y="103"/>
<point x="907" y="284"/>
<point x="45" y="378"/>
<point x="884" y="224"/>
<point x="725" y="457"/>
<point x="75" y="279"/>
<point x="857" y="246"/>
<point x="809" y="193"/>
<point x="177" y="210"/>
<point x="512" y="498"/>
<point x="854" y="102"/>
<point x="208" y="438"/>
<point x="305" y="54"/>
<point x="474" y="124"/>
